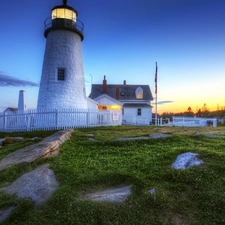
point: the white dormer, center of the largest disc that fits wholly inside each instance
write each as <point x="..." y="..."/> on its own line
<point x="139" y="93"/>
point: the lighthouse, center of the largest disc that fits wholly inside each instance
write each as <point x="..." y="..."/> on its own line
<point x="62" y="82"/>
<point x="21" y="102"/>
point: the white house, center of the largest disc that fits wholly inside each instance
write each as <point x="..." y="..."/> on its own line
<point x="134" y="100"/>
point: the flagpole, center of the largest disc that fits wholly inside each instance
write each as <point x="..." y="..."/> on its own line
<point x="156" y="103"/>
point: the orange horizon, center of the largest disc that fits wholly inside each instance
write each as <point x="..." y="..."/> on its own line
<point x="176" y="108"/>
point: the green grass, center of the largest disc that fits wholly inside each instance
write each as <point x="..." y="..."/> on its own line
<point x="192" y="196"/>
<point x="11" y="144"/>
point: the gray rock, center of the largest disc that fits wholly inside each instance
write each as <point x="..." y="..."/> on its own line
<point x="5" y="213"/>
<point x="34" y="138"/>
<point x="132" y="138"/>
<point x="160" y="135"/>
<point x="92" y="139"/>
<point x="37" y="185"/>
<point x="187" y="160"/>
<point x="144" y="137"/>
<point x="210" y="135"/>
<point x="113" y="194"/>
<point x="152" y="191"/>
<point x="1" y="140"/>
<point x="48" y="147"/>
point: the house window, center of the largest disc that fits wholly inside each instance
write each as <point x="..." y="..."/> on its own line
<point x="139" y="93"/>
<point x="60" y="73"/>
<point x="139" y="111"/>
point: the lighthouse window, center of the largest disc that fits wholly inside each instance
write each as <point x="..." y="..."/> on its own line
<point x="60" y="73"/>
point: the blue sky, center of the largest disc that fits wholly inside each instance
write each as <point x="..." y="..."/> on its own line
<point x="122" y="40"/>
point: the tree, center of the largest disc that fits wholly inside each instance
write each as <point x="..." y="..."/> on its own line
<point x="189" y="109"/>
<point x="205" y="110"/>
<point x="199" y="113"/>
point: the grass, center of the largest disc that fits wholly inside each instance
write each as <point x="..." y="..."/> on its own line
<point x="28" y="138"/>
<point x="192" y="196"/>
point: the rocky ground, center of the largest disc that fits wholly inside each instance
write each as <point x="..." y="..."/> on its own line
<point x="39" y="184"/>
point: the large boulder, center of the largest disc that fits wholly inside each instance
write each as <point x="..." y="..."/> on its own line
<point x="187" y="160"/>
<point x="37" y="185"/>
<point x="48" y="147"/>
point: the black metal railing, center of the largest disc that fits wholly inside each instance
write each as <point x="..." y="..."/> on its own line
<point x="48" y="24"/>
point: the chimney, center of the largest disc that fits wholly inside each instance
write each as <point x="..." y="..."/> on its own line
<point x="117" y="92"/>
<point x="124" y="82"/>
<point x="21" y="102"/>
<point x="104" y="86"/>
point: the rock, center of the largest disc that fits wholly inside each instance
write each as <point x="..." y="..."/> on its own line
<point x="5" y="213"/>
<point x="92" y="139"/>
<point x="48" y="147"/>
<point x="12" y="140"/>
<point x="132" y="138"/>
<point x="144" y="137"/>
<point x="159" y="135"/>
<point x="187" y="160"/>
<point x="34" y="138"/>
<point x="113" y="194"/>
<point x="152" y="191"/>
<point x="210" y="135"/>
<point x="37" y="185"/>
<point x="1" y="140"/>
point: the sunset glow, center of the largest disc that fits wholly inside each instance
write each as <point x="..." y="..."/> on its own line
<point x="186" y="38"/>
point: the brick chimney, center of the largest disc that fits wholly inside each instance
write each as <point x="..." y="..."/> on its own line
<point x="117" y="92"/>
<point x="124" y="82"/>
<point x="104" y="86"/>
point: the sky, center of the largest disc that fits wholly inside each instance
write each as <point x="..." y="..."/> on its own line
<point x="123" y="39"/>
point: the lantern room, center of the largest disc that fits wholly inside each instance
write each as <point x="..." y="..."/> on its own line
<point x="64" y="12"/>
<point x="64" y="17"/>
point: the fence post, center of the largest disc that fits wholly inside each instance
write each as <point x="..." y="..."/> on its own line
<point x="87" y="118"/>
<point x="56" y="118"/>
<point x="5" y="121"/>
<point x="28" y="122"/>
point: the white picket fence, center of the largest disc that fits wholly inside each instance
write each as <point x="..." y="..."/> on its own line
<point x="194" y="121"/>
<point x="55" y="119"/>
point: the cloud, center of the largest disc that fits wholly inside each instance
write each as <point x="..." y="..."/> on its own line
<point x="6" y="80"/>
<point x="161" y="102"/>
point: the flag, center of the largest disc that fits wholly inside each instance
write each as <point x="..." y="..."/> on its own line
<point x="156" y="77"/>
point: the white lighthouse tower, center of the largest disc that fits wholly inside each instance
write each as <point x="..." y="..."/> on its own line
<point x="21" y="102"/>
<point x="62" y="82"/>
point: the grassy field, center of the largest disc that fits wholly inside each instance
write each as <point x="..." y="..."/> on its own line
<point x="183" y="197"/>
